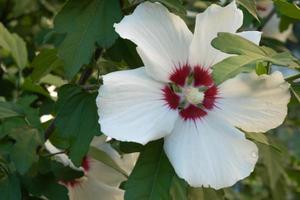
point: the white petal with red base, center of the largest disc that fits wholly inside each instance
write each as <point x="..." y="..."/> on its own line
<point x="254" y="103"/>
<point x="131" y="107"/>
<point x="213" y="20"/>
<point x="162" y="38"/>
<point x="210" y="152"/>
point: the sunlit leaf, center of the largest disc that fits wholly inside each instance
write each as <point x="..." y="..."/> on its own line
<point x="12" y="43"/>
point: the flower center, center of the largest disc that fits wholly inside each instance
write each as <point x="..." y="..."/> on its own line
<point x="194" y="95"/>
<point x="191" y="91"/>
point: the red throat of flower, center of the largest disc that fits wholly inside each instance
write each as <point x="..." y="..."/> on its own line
<point x="192" y="91"/>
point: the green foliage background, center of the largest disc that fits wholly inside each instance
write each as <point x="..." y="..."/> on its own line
<point x="69" y="44"/>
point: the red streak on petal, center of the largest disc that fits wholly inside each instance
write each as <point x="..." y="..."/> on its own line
<point x="180" y="75"/>
<point x="192" y="112"/>
<point x="85" y="164"/>
<point x="202" y="77"/>
<point x="210" y="96"/>
<point x="170" y="97"/>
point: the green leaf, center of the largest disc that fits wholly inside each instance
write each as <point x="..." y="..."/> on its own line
<point x="204" y="194"/>
<point x="259" y="137"/>
<point x="231" y="66"/>
<point x="152" y="175"/>
<point x="175" y="5"/>
<point x="46" y="61"/>
<point x="46" y="185"/>
<point x="296" y="90"/>
<point x="24" y="151"/>
<point x="76" y="120"/>
<point x="248" y="55"/>
<point x="250" y="5"/>
<point x="273" y="163"/>
<point x="93" y="24"/>
<point x="8" y="109"/>
<point x="64" y="173"/>
<point x="288" y="9"/>
<point x="30" y="86"/>
<point x="10" y="188"/>
<point x="235" y="44"/>
<point x="12" y="43"/>
<point x="179" y="189"/>
<point x="101" y="156"/>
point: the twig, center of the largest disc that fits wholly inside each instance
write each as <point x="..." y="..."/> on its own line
<point x="50" y="130"/>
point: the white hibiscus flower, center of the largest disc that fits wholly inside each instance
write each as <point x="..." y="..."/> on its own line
<point x="99" y="181"/>
<point x="174" y="96"/>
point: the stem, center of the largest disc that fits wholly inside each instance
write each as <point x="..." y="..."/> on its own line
<point x="291" y="78"/>
<point x="50" y="130"/>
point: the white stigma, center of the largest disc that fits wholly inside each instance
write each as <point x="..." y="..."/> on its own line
<point x="193" y="95"/>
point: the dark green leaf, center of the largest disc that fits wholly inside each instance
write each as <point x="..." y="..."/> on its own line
<point x="179" y="189"/>
<point x="175" y="5"/>
<point x="10" y="188"/>
<point x="288" y="9"/>
<point x="152" y="175"/>
<point x="85" y="24"/>
<point x="46" y="185"/>
<point x="8" y="109"/>
<point x="76" y="120"/>
<point x="30" y="86"/>
<point x="24" y="151"/>
<point x="46" y="61"/>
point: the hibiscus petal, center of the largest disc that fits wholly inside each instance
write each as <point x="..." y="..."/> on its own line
<point x="213" y="20"/>
<point x="131" y="107"/>
<point x="254" y="103"/>
<point x="162" y="38"/>
<point x="93" y="189"/>
<point x="210" y="152"/>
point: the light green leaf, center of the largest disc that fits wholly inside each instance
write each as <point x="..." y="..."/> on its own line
<point x="248" y="55"/>
<point x="235" y="44"/>
<point x="259" y="137"/>
<point x="101" y="156"/>
<point x="46" y="61"/>
<point x="231" y="66"/>
<point x="24" y="151"/>
<point x="8" y="109"/>
<point x="85" y="23"/>
<point x="288" y="9"/>
<point x="250" y="5"/>
<point x="76" y="120"/>
<point x="12" y="43"/>
<point x="152" y="176"/>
